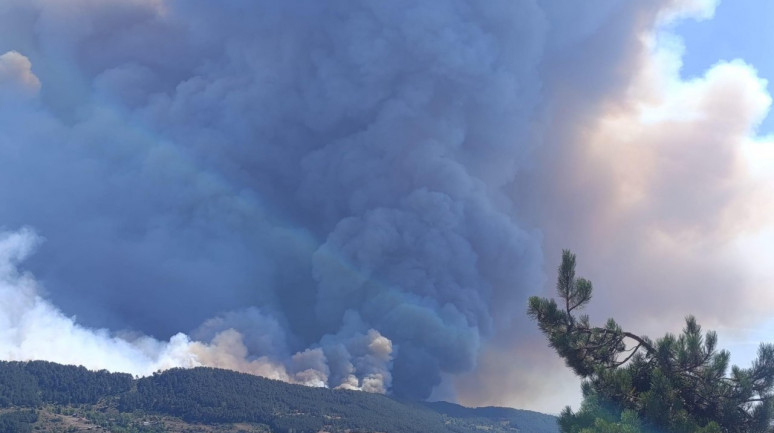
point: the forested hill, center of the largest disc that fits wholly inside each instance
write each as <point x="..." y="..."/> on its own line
<point x="180" y="400"/>
<point x="525" y="420"/>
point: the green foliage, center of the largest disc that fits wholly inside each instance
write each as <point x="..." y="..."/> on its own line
<point x="17" y="386"/>
<point x="19" y="421"/>
<point x="68" y="384"/>
<point x="220" y="396"/>
<point x="121" y="404"/>
<point x="495" y="419"/>
<point x="117" y="422"/>
<point x="678" y="384"/>
<point x="30" y="384"/>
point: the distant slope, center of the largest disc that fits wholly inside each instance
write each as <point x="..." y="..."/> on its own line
<point x="212" y="395"/>
<point x="179" y="398"/>
<point x="524" y="420"/>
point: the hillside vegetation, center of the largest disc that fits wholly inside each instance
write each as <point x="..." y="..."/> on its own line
<point x="44" y="396"/>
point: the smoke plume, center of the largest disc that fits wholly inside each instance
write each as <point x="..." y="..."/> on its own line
<point x="358" y="195"/>
<point x="312" y="192"/>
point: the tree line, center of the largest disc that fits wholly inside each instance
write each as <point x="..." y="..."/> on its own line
<point x="214" y="396"/>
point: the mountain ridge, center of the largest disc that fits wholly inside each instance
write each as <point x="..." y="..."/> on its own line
<point x="182" y="399"/>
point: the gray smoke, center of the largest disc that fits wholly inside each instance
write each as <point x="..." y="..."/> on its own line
<point x="356" y="195"/>
<point x="318" y="186"/>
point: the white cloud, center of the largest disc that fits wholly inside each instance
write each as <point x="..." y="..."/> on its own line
<point x="16" y="76"/>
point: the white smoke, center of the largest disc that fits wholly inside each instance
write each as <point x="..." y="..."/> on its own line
<point x="32" y="328"/>
<point x="16" y="77"/>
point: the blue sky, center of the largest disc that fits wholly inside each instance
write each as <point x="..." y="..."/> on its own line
<point x="740" y="29"/>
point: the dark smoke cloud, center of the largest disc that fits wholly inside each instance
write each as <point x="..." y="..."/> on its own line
<point x="317" y="179"/>
<point x="358" y="195"/>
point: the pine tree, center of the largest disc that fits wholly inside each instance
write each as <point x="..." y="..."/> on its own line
<point x="632" y="384"/>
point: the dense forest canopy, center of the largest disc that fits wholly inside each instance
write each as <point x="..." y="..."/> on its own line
<point x="214" y="396"/>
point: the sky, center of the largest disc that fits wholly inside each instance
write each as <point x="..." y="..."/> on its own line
<point x="738" y="30"/>
<point x="364" y="195"/>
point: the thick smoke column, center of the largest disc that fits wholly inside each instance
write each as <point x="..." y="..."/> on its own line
<point x="355" y="195"/>
<point x="315" y="189"/>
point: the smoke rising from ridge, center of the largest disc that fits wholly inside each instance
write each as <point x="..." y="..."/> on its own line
<point x="309" y="186"/>
<point x="352" y="195"/>
<point x="35" y="329"/>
